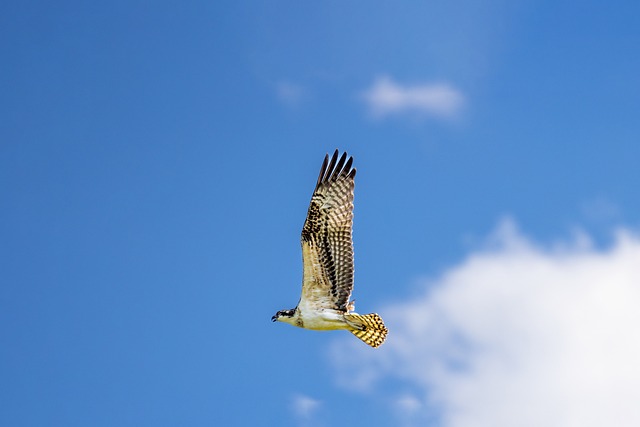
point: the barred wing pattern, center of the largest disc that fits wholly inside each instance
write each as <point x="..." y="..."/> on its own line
<point x="327" y="245"/>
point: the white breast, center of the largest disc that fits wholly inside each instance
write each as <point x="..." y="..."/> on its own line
<point x="323" y="319"/>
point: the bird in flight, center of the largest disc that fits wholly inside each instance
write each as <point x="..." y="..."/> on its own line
<point x="327" y="258"/>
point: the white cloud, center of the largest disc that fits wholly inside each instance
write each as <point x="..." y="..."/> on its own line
<point x="387" y="97"/>
<point x="516" y="335"/>
<point x="305" y="408"/>
<point x="289" y="93"/>
<point x="601" y="209"/>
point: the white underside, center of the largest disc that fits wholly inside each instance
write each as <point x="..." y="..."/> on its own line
<point x="320" y="320"/>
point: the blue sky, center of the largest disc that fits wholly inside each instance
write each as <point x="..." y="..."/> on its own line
<point x="156" y="163"/>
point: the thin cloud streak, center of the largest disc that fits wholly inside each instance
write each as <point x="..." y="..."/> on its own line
<point x="517" y="334"/>
<point x="387" y="97"/>
<point x="291" y="94"/>
<point x="305" y="409"/>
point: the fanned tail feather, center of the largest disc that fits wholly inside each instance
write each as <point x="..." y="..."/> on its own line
<point x="368" y="327"/>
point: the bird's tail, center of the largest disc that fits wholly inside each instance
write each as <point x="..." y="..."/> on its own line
<point x="368" y="327"/>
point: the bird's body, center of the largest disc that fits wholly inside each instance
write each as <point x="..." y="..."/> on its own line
<point x="327" y="254"/>
<point x="318" y="320"/>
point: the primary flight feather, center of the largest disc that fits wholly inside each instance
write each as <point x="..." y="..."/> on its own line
<point x="327" y="256"/>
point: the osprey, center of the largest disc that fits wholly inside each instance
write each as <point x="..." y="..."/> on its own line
<point x="327" y="257"/>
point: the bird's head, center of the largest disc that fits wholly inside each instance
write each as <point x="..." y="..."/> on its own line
<point x="284" y="316"/>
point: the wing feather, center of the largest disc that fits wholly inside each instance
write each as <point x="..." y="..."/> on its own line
<point x="327" y="245"/>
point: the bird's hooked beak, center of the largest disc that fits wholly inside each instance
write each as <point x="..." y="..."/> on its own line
<point x="274" y="317"/>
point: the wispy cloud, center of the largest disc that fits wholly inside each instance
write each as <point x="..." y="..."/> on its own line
<point x="387" y="97"/>
<point x="291" y="94"/>
<point x="517" y="335"/>
<point x="305" y="409"/>
<point x="601" y="209"/>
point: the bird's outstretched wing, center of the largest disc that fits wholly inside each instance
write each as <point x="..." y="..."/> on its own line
<point x="327" y="245"/>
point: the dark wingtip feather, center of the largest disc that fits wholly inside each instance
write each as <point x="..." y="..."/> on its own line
<point x="347" y="166"/>
<point x="323" y="169"/>
<point x="338" y="169"/>
<point x="335" y="167"/>
<point x="332" y="165"/>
